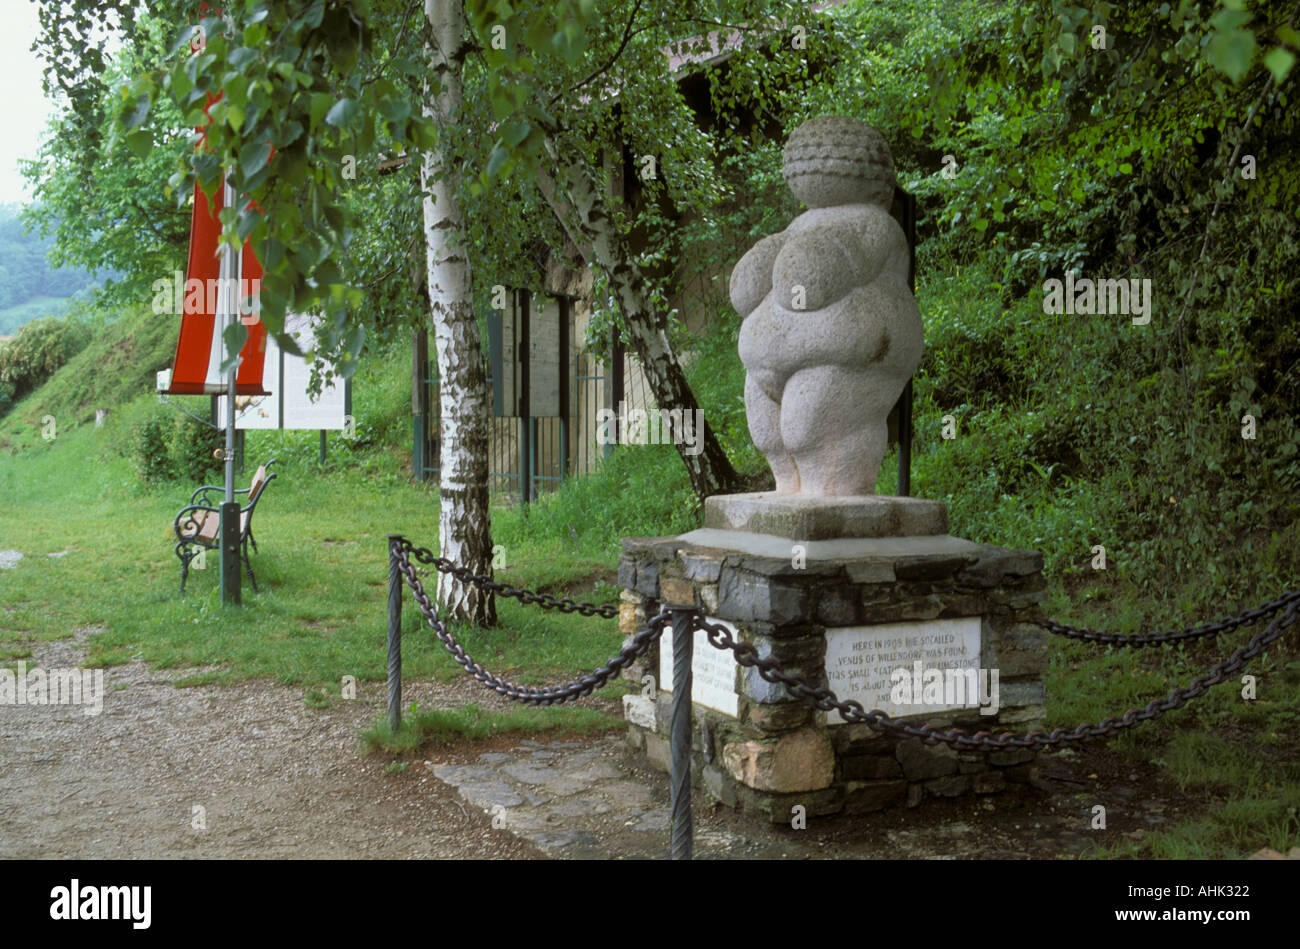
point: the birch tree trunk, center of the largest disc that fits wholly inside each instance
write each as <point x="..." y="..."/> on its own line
<point x="587" y="223"/>
<point x="464" y="527"/>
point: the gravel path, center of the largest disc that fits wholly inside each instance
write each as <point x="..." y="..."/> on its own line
<point x="273" y="777"/>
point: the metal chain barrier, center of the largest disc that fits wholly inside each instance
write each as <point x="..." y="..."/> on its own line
<point x="822" y="698"/>
<point x="401" y="552"/>
<point x="465" y="575"/>
<point x="685" y="620"/>
<point x="826" y="700"/>
<point x="1245" y="618"/>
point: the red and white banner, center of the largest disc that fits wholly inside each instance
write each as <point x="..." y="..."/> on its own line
<point x="211" y="292"/>
<point x="199" y="349"/>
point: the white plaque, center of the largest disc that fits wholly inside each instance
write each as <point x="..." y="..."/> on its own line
<point x="713" y="671"/>
<point x="300" y="410"/>
<point x="289" y="391"/>
<point x="860" y="662"/>
<point x="544" y="357"/>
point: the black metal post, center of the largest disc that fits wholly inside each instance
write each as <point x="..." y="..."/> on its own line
<point x="680" y="733"/>
<point x="566" y="314"/>
<point x="228" y="313"/>
<point x="905" y="441"/>
<point x="230" y="564"/>
<point x="525" y="412"/>
<point x="394" y="637"/>
<point x="617" y="394"/>
<point x="904" y="211"/>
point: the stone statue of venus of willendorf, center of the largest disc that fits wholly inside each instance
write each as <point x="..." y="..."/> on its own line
<point x="831" y="332"/>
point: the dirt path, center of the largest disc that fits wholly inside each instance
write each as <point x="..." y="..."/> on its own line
<point x="274" y="778"/>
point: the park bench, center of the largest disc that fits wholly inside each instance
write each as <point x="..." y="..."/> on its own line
<point x="198" y="525"/>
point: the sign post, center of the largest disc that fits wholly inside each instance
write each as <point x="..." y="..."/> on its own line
<point x="228" y="303"/>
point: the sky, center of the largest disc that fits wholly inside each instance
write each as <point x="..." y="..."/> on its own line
<point x="23" y="109"/>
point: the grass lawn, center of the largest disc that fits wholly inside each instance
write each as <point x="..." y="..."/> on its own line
<point x="323" y="567"/>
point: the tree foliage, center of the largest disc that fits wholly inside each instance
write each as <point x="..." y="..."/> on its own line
<point x="105" y="206"/>
<point x="1165" y="152"/>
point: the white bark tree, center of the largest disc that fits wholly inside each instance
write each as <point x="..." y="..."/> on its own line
<point x="464" y="525"/>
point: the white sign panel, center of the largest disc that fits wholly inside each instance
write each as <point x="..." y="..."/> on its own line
<point x="544" y="357"/>
<point x="509" y="359"/>
<point x="286" y="377"/>
<point x="713" y="671"/>
<point x="860" y="661"/>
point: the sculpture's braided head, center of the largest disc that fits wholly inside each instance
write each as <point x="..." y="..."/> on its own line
<point x="834" y="159"/>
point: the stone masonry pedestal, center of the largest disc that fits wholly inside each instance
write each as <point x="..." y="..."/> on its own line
<point x="869" y="596"/>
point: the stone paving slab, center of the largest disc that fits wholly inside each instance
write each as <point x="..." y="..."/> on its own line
<point x="590" y="806"/>
<point x="850" y="549"/>
<point x="610" y="806"/>
<point x="596" y="802"/>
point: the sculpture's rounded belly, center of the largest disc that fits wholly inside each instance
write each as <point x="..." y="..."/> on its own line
<point x="876" y="325"/>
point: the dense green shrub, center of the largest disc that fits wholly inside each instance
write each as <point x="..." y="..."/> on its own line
<point x="169" y="445"/>
<point x="152" y="452"/>
<point x="39" y="349"/>
<point x="192" y="447"/>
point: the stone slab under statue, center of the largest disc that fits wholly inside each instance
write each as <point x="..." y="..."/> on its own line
<point x="813" y="517"/>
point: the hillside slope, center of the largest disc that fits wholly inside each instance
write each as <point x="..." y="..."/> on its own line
<point x="119" y="364"/>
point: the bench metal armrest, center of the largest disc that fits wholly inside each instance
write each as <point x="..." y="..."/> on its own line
<point x="186" y="527"/>
<point x="201" y="493"/>
<point x="194" y="498"/>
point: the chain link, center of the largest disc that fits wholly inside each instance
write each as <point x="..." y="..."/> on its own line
<point x="464" y="574"/>
<point x="1245" y="618"/>
<point x="529" y="695"/>
<point x="823" y="698"/>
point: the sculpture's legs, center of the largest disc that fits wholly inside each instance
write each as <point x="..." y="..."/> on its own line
<point x="834" y="424"/>
<point x="764" y="414"/>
